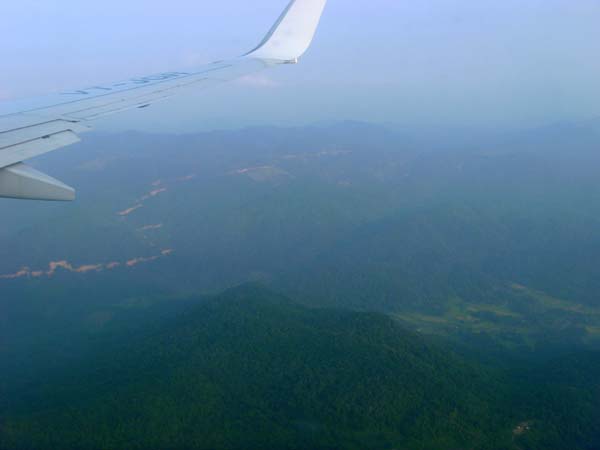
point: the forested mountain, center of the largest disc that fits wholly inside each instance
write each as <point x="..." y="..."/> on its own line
<point x="250" y="369"/>
<point x="485" y="247"/>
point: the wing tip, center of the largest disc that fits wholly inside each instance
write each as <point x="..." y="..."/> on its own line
<point x="291" y="35"/>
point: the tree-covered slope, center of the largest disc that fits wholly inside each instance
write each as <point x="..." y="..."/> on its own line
<point x="249" y="369"/>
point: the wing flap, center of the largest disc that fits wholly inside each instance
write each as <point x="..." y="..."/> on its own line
<point x="35" y="147"/>
<point x="33" y="130"/>
<point x="23" y="182"/>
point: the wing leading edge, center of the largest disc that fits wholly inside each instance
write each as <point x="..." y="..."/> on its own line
<point x="32" y="128"/>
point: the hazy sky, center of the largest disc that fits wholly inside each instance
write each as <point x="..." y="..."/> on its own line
<point x="493" y="63"/>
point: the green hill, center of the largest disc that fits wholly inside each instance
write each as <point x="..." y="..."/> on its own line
<point x="249" y="369"/>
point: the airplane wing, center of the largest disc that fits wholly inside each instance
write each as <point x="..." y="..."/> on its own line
<point x="34" y="127"/>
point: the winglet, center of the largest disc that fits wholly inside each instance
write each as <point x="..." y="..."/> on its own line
<point x="293" y="33"/>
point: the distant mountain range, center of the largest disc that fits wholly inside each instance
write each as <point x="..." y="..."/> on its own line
<point x="494" y="241"/>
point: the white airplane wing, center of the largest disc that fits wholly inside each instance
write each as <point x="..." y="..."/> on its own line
<point x="31" y="128"/>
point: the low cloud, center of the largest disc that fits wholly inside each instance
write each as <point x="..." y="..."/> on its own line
<point x="55" y="266"/>
<point x="262" y="173"/>
<point x="128" y="211"/>
<point x="21" y="273"/>
<point x="159" y="187"/>
<point x="153" y="193"/>
<point x="151" y="227"/>
<point x="140" y="260"/>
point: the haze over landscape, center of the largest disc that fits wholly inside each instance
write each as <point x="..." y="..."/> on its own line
<point x="442" y="63"/>
<point x="393" y="245"/>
